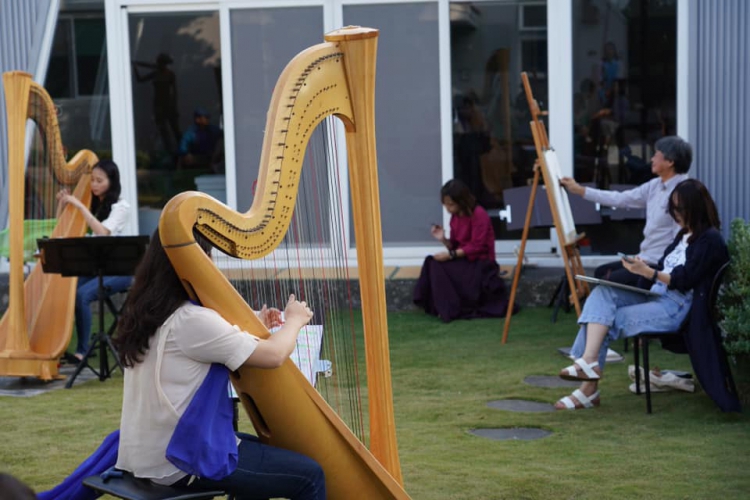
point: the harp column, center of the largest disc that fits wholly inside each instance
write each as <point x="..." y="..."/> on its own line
<point x="359" y="46"/>
<point x="17" y="85"/>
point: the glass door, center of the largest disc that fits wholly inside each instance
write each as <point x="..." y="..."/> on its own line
<point x="491" y="43"/>
<point x="177" y="109"/>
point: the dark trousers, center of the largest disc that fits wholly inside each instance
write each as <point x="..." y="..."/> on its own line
<point x="615" y="271"/>
<point x="88" y="292"/>
<point x="265" y="472"/>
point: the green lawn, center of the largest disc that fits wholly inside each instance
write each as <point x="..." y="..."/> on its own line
<point x="443" y="377"/>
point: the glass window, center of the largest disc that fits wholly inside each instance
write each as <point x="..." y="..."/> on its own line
<point x="263" y="42"/>
<point x="58" y="83"/>
<point x="77" y="80"/>
<point x="177" y="109"/>
<point x="624" y="75"/>
<point x="90" y="42"/>
<point x="493" y="150"/>
<point x="407" y="103"/>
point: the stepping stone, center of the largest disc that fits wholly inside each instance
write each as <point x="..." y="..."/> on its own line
<point x="515" y="433"/>
<point x="520" y="405"/>
<point x="549" y="381"/>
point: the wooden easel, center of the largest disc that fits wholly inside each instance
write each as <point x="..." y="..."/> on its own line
<point x="568" y="239"/>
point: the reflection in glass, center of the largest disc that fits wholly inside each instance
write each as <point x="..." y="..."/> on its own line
<point x="491" y="44"/>
<point x="77" y="81"/>
<point x="407" y="117"/>
<point x="624" y="56"/>
<point x="177" y="108"/>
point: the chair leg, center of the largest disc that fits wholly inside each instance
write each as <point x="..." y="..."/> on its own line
<point x="647" y="375"/>
<point x="637" y="358"/>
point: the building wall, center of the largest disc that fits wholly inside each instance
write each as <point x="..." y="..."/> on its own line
<point x="719" y="122"/>
<point x="22" y="26"/>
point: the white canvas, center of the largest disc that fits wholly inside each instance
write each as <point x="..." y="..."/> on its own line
<point x="560" y="196"/>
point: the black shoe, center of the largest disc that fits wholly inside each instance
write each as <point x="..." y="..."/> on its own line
<point x="70" y="359"/>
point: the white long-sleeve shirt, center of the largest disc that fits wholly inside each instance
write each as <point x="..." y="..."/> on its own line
<point x="653" y="195"/>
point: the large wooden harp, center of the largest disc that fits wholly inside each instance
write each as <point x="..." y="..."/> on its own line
<point x="36" y="328"/>
<point x="335" y="78"/>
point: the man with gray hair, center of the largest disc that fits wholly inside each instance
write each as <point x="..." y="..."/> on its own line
<point x="670" y="163"/>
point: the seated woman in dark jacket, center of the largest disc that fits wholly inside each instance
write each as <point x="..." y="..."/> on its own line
<point x="464" y="280"/>
<point x="681" y="280"/>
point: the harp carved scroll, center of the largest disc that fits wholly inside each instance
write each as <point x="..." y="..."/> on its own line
<point x="335" y="78"/>
<point x="36" y="328"/>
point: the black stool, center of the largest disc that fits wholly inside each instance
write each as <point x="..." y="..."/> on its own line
<point x="124" y="485"/>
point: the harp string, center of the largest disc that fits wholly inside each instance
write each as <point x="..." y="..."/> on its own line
<point x="318" y="226"/>
<point x="40" y="186"/>
<point x="309" y="264"/>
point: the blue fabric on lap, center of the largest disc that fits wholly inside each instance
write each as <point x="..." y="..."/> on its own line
<point x="203" y="443"/>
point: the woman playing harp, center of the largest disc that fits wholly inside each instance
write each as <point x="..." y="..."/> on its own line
<point x="176" y="356"/>
<point x="35" y="329"/>
<point x="335" y="78"/>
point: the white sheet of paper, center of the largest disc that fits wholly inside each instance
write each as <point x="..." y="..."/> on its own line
<point x="560" y="195"/>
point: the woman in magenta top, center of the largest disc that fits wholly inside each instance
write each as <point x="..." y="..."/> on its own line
<point x="464" y="280"/>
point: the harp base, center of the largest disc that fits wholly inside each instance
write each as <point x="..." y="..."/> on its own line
<point x="43" y="369"/>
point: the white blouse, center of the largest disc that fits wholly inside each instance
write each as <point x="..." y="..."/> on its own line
<point x="118" y="217"/>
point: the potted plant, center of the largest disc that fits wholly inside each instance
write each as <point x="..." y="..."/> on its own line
<point x="734" y="307"/>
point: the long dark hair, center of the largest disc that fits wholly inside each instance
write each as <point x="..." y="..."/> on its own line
<point x="695" y="206"/>
<point x="102" y="208"/>
<point x="156" y="294"/>
<point x="460" y="194"/>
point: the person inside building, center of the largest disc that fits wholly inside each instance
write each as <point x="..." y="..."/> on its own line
<point x="463" y="281"/>
<point x="202" y="144"/>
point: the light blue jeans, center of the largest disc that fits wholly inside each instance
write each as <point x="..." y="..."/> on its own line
<point x="629" y="313"/>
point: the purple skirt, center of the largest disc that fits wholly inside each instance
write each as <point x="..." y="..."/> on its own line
<point x="461" y="289"/>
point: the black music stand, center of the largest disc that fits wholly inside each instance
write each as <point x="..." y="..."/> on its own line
<point x="94" y="256"/>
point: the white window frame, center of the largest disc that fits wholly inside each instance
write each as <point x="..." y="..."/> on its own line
<point x="560" y="68"/>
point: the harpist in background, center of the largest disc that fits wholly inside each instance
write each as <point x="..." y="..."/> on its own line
<point x="463" y="281"/>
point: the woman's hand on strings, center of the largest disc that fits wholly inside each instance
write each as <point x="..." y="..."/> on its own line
<point x="270" y="317"/>
<point x="64" y="197"/>
<point x="275" y="350"/>
<point x="296" y="312"/>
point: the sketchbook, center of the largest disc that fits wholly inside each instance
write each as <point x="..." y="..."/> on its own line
<point x="615" y="284"/>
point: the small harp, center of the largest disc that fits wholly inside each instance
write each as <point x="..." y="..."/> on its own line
<point x="36" y="328"/>
<point x="335" y="78"/>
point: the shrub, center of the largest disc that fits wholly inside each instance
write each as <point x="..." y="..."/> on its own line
<point x="734" y="303"/>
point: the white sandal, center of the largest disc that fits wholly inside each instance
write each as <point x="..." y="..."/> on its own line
<point x="584" y="402"/>
<point x="572" y="373"/>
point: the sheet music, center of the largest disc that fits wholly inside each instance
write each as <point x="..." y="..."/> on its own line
<point x="306" y="354"/>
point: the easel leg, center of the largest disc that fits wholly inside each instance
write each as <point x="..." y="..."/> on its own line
<point x="521" y="251"/>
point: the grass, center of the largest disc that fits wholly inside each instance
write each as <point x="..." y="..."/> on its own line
<point x="443" y="377"/>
